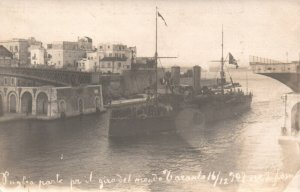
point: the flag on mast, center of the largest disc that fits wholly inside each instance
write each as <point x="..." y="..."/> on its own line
<point x="232" y="60"/>
<point x="162" y="18"/>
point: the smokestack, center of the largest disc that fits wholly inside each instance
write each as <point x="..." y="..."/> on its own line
<point x="197" y="78"/>
<point x="175" y="74"/>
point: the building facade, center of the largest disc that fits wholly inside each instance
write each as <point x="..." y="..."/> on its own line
<point x="113" y="65"/>
<point x="85" y="43"/>
<point x="38" y="56"/>
<point x="91" y="62"/>
<point x="6" y="57"/>
<point x="64" y="54"/>
<point x="51" y="102"/>
<point x="19" y="50"/>
<point x="114" y="58"/>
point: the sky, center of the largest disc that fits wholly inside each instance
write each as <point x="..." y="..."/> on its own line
<point x="268" y="29"/>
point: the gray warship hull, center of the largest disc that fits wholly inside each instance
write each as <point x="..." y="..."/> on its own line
<point x="182" y="121"/>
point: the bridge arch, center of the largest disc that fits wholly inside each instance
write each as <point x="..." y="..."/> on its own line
<point x="295" y="118"/>
<point x="42" y="103"/>
<point x="26" y="102"/>
<point x="12" y="102"/>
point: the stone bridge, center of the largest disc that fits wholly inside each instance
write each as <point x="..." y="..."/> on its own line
<point x="57" y="77"/>
<point x="288" y="74"/>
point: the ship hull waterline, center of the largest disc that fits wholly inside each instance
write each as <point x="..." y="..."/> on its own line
<point x="184" y="121"/>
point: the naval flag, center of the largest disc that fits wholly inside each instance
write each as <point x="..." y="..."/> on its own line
<point x="232" y="60"/>
<point x="162" y="18"/>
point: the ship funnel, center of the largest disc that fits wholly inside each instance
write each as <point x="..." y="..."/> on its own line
<point x="196" y="78"/>
<point x="175" y="75"/>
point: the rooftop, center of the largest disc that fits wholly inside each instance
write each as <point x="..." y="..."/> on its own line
<point x="5" y="52"/>
<point x="114" y="59"/>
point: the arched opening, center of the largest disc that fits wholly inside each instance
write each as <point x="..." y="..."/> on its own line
<point x="296" y="119"/>
<point x="12" y="107"/>
<point x="62" y="108"/>
<point x="42" y="104"/>
<point x="80" y="105"/>
<point x="26" y="103"/>
<point x="1" y="105"/>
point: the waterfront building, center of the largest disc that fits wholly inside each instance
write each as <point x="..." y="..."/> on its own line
<point x="64" y="54"/>
<point x="19" y="50"/>
<point x="6" y="57"/>
<point x="49" y="102"/>
<point x="114" y="58"/>
<point x="38" y="56"/>
<point x="114" y="65"/>
<point x="37" y="53"/>
<point x="32" y="42"/>
<point x="91" y="62"/>
<point x="70" y="55"/>
<point x="85" y="43"/>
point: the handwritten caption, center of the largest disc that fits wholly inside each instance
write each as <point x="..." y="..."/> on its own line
<point x="168" y="176"/>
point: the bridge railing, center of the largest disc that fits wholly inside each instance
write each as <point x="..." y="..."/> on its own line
<point x="264" y="65"/>
<point x="53" y="76"/>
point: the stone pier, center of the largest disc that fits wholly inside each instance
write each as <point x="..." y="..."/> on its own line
<point x="291" y="125"/>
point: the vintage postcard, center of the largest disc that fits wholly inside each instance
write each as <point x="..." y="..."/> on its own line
<point x="149" y="96"/>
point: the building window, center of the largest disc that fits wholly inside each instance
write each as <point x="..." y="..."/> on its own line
<point x="108" y="64"/>
<point x="110" y="54"/>
<point x="123" y="55"/>
<point x="108" y="47"/>
<point x="103" y="66"/>
<point x="119" y="65"/>
<point x="5" y="81"/>
<point x="16" y="48"/>
<point x="100" y="47"/>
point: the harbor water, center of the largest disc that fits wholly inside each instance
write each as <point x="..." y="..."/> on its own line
<point x="236" y="155"/>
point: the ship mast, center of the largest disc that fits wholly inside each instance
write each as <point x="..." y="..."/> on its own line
<point x="155" y="57"/>
<point x="222" y="74"/>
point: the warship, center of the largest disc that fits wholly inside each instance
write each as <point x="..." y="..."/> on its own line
<point x="179" y="109"/>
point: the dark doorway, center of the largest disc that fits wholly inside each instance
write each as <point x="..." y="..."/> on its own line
<point x="42" y="104"/>
<point x="12" y="103"/>
<point x="26" y="103"/>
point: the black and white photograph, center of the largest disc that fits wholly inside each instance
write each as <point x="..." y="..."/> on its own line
<point x="149" y="95"/>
